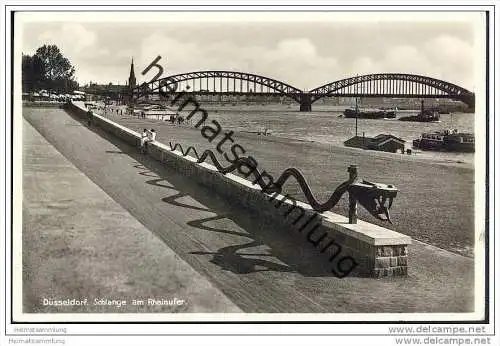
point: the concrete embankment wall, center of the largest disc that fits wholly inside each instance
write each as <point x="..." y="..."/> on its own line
<point x="368" y="249"/>
<point x="42" y="104"/>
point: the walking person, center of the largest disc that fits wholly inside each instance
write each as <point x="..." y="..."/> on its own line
<point x="90" y="116"/>
<point x="144" y="139"/>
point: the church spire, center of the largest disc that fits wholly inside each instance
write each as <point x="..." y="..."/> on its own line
<point x="131" y="78"/>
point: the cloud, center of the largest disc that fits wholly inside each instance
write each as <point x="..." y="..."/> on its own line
<point x="444" y="57"/>
<point x="453" y="57"/>
<point x="75" y="38"/>
<point x="305" y="59"/>
<point x="298" y="61"/>
<point x="80" y="45"/>
<point x="295" y="61"/>
<point x="364" y="65"/>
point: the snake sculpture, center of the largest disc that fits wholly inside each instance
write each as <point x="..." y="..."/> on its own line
<point x="375" y="197"/>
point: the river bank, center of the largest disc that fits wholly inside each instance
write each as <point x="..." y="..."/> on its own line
<point x="239" y="254"/>
<point x="435" y="203"/>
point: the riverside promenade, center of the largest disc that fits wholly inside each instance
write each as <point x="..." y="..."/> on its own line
<point x="258" y="268"/>
<point x="74" y="234"/>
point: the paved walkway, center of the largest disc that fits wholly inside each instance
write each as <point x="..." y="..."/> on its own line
<point x="257" y="267"/>
<point x="78" y="243"/>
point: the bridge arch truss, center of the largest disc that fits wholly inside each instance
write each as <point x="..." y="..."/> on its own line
<point x="393" y="85"/>
<point x="225" y="82"/>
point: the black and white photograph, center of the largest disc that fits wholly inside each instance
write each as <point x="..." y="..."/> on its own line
<point x="244" y="166"/>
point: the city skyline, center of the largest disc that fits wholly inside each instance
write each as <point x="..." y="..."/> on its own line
<point x="304" y="54"/>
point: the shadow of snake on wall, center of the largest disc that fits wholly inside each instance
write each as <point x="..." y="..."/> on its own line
<point x="227" y="257"/>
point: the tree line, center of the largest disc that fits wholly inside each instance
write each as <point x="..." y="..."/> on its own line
<point x="48" y="69"/>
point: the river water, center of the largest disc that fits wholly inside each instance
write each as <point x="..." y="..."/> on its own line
<point x="325" y="126"/>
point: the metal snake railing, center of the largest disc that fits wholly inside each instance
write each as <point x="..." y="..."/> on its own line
<point x="373" y="196"/>
<point x="242" y="161"/>
<point x="184" y="153"/>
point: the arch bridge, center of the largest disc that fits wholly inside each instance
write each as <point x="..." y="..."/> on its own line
<point x="397" y="85"/>
<point x="221" y="82"/>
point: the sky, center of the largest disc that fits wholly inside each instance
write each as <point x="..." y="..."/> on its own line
<point x="303" y="53"/>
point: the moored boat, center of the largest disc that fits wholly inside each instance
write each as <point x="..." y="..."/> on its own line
<point x="430" y="141"/>
<point x="369" y="113"/>
<point x="425" y="115"/>
<point x="446" y="140"/>
<point x="463" y="142"/>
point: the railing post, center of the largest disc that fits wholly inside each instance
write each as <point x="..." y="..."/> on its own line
<point x="353" y="203"/>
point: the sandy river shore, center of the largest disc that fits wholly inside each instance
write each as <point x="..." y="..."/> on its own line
<point x="435" y="203"/>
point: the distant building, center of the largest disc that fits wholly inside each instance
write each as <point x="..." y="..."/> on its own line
<point x="127" y="98"/>
<point x="381" y="142"/>
<point x="112" y="91"/>
<point x="102" y="91"/>
<point x="131" y="77"/>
